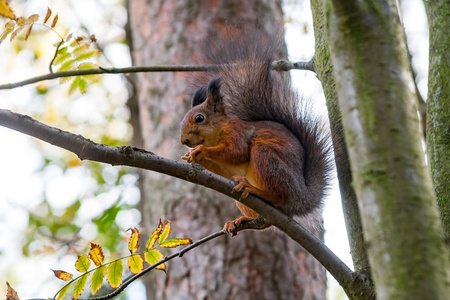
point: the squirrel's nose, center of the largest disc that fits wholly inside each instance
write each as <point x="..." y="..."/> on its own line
<point x="185" y="141"/>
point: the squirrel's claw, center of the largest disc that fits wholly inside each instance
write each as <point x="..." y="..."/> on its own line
<point x="243" y="184"/>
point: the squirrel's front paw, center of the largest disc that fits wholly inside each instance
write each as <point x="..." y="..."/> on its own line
<point x="194" y="155"/>
<point x="232" y="226"/>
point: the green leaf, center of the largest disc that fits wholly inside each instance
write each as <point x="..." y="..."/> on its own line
<point x="152" y="256"/>
<point x="97" y="279"/>
<point x="67" y="65"/>
<point x="86" y="55"/>
<point x="135" y="264"/>
<point x="175" y="243"/>
<point x="79" y="286"/>
<point x="63" y="291"/>
<point x="114" y="274"/>
<point x="61" y="57"/>
<point x="83" y="263"/>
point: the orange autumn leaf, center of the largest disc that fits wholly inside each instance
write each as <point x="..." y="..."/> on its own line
<point x="96" y="254"/>
<point x="47" y="16"/>
<point x="11" y="294"/>
<point x="63" y="275"/>
<point x="55" y="20"/>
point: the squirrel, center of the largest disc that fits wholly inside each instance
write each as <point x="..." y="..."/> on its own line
<point x="248" y="125"/>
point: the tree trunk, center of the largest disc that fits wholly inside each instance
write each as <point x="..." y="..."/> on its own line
<point x="379" y="107"/>
<point x="253" y="265"/>
<point x="438" y="107"/>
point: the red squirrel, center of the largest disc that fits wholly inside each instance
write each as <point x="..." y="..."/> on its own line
<point x="248" y="125"/>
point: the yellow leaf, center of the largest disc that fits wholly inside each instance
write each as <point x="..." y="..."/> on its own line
<point x="166" y="231"/>
<point x="135" y="264"/>
<point x="153" y="256"/>
<point x="79" y="286"/>
<point x="5" y="34"/>
<point x="15" y="32"/>
<point x="96" y="254"/>
<point x="47" y="16"/>
<point x="83" y="263"/>
<point x="114" y="274"/>
<point x="175" y="243"/>
<point x="97" y="279"/>
<point x="21" y="21"/>
<point x="28" y="32"/>
<point x="10" y="24"/>
<point x="11" y="294"/>
<point x="63" y="291"/>
<point x="62" y="275"/>
<point x="55" y="20"/>
<point x="6" y="11"/>
<point x="133" y="244"/>
<point x="155" y="235"/>
<point x="32" y="19"/>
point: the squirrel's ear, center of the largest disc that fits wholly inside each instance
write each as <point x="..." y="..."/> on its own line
<point x="199" y="96"/>
<point x="213" y="93"/>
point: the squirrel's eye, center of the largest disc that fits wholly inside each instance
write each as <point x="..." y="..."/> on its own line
<point x="199" y="118"/>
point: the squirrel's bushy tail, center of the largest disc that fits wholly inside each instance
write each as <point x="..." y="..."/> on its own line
<point x="253" y="92"/>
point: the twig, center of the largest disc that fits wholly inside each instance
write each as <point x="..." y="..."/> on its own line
<point x="134" y="157"/>
<point x="278" y="66"/>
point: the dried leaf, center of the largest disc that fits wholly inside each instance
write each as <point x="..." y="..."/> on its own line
<point x="135" y="264"/>
<point x="28" y="32"/>
<point x="97" y="279"/>
<point x="155" y="235"/>
<point x="175" y="243"/>
<point x="79" y="286"/>
<point x="11" y="294"/>
<point x="96" y="254"/>
<point x="68" y="37"/>
<point x="47" y="16"/>
<point x="55" y="20"/>
<point x="152" y="256"/>
<point x="114" y="274"/>
<point x="63" y="275"/>
<point x="63" y="291"/>
<point x="133" y="244"/>
<point x="83" y="263"/>
<point x="166" y="232"/>
<point x="6" y="11"/>
<point x="31" y="19"/>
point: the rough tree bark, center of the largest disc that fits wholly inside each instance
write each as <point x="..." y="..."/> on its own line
<point x="379" y="107"/>
<point x="253" y="265"/>
<point x="438" y="107"/>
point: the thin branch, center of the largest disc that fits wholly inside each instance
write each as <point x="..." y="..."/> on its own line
<point x="280" y="65"/>
<point x="134" y="157"/>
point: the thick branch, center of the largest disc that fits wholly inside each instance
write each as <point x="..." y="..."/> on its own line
<point x="280" y="65"/>
<point x="134" y="157"/>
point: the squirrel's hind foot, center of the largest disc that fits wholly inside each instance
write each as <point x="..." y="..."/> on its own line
<point x="245" y="222"/>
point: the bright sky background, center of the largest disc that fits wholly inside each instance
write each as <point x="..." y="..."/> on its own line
<point x="21" y="186"/>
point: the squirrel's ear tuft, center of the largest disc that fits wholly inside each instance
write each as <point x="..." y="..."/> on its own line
<point x="199" y="96"/>
<point x="214" y="91"/>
